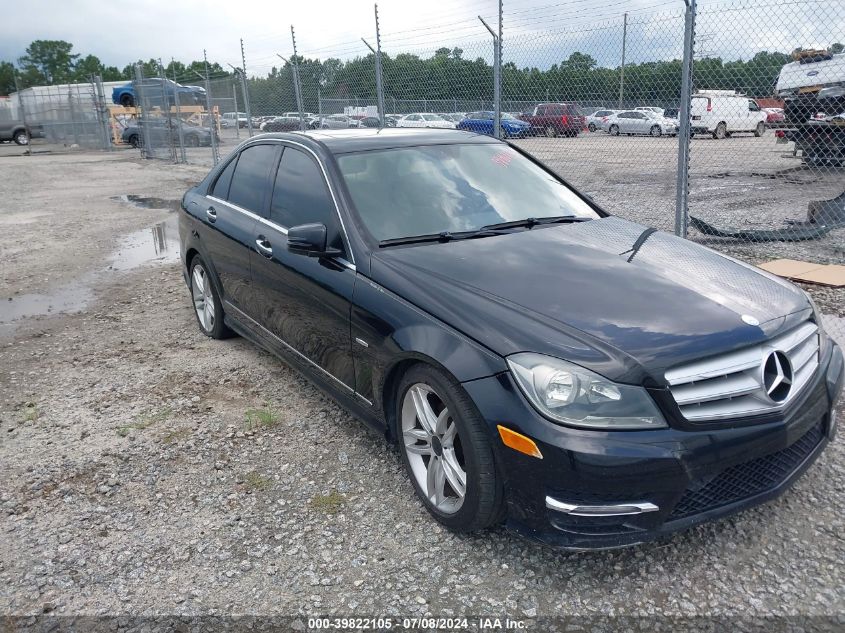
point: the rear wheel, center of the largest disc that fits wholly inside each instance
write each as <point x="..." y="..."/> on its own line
<point x="614" y="130"/>
<point x="446" y="451"/>
<point x="760" y="129"/>
<point x="721" y="131"/>
<point x="551" y="132"/>
<point x="21" y="137"/>
<point x="127" y="101"/>
<point x="207" y="306"/>
<point x="655" y="130"/>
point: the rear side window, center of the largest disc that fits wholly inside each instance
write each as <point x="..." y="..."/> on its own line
<point x="300" y="195"/>
<point x="250" y="178"/>
<point x="221" y="187"/>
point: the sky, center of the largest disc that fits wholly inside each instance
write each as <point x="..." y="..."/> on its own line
<point x="537" y="32"/>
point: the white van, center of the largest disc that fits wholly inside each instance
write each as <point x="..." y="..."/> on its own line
<point x="724" y="112"/>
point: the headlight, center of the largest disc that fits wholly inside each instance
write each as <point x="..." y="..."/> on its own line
<point x="578" y="397"/>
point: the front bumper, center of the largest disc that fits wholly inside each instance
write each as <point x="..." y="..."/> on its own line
<point x="595" y="489"/>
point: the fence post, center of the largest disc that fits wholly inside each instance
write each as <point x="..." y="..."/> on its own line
<point x="102" y="112"/>
<point x="379" y="78"/>
<point x="166" y="101"/>
<point x="215" y="156"/>
<point x="622" y="67"/>
<point x="682" y="184"/>
<point x="141" y="111"/>
<point x="497" y="112"/>
<point x="245" y="87"/>
<point x="297" y="89"/>
<point x="183" y="158"/>
<point x="237" y="122"/>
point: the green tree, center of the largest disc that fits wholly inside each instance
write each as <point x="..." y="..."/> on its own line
<point x="7" y="79"/>
<point x="50" y="59"/>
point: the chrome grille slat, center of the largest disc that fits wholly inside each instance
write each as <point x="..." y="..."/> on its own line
<point x="731" y="385"/>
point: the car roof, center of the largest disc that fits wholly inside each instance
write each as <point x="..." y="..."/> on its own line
<point x="364" y="139"/>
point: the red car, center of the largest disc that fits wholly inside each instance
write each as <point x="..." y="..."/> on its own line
<point x="774" y="117"/>
<point x="553" y="119"/>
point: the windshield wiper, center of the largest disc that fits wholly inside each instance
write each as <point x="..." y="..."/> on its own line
<point x="532" y="222"/>
<point x="443" y="236"/>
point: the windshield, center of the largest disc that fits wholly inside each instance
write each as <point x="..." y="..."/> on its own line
<point x="435" y="188"/>
<point x="505" y="115"/>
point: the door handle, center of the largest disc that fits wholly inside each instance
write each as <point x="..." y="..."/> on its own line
<point x="211" y="214"/>
<point x="264" y="246"/>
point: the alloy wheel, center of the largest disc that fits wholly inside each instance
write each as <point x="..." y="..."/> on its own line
<point x="433" y="447"/>
<point x="655" y="130"/>
<point x="201" y="292"/>
<point x="551" y="132"/>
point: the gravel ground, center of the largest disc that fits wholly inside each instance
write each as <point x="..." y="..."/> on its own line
<point x="149" y="470"/>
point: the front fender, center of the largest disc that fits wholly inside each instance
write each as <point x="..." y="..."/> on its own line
<point x="388" y="332"/>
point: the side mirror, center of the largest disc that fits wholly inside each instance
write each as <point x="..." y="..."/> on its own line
<point x="310" y="240"/>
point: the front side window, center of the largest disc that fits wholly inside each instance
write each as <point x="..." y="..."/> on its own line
<point x="430" y="189"/>
<point x="249" y="181"/>
<point x="300" y="195"/>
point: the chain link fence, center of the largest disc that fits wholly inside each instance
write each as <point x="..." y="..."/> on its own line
<point x="723" y="122"/>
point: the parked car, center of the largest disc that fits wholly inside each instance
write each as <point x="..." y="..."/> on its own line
<point x="723" y="113"/>
<point x="336" y="122"/>
<point x="18" y="131"/>
<point x="641" y="122"/>
<point x="482" y="123"/>
<point x="454" y="117"/>
<point x="555" y="119"/>
<point x="231" y="119"/>
<point x="307" y="115"/>
<point x="157" y="93"/>
<point x="534" y="358"/>
<point x="164" y="132"/>
<point x="774" y="117"/>
<point x="281" y="124"/>
<point x="654" y="109"/>
<point x="597" y="119"/>
<point x="424" y="119"/>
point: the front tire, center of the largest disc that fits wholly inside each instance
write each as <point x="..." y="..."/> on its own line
<point x="721" y="131"/>
<point x="614" y="130"/>
<point x="655" y="130"/>
<point x="592" y="127"/>
<point x="550" y="131"/>
<point x="135" y="141"/>
<point x="760" y="129"/>
<point x="207" y="306"/>
<point x="21" y="137"/>
<point x="127" y="101"/>
<point x="446" y="450"/>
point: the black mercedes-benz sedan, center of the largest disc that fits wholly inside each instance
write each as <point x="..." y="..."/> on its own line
<point x="590" y="381"/>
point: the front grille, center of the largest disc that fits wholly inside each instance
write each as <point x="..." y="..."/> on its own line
<point x="732" y="385"/>
<point x="746" y="480"/>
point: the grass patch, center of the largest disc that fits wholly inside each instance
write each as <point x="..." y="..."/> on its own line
<point x="257" y="481"/>
<point x="144" y="421"/>
<point x="330" y="503"/>
<point x="30" y="412"/>
<point x="258" y="418"/>
<point x="171" y="437"/>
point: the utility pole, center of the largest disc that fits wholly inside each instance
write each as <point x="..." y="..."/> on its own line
<point x="296" y="83"/>
<point x="622" y="68"/>
<point x="245" y="87"/>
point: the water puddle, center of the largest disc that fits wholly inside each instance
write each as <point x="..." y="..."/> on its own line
<point x="158" y="243"/>
<point x="147" y="202"/>
<point x="153" y="245"/>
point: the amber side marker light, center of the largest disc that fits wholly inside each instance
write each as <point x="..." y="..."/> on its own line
<point x="519" y="442"/>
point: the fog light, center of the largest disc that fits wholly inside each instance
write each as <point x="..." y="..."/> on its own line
<point x="519" y="442"/>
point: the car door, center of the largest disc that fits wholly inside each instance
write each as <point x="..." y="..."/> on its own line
<point x="232" y="205"/>
<point x="304" y="302"/>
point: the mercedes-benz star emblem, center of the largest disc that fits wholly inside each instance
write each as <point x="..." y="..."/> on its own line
<point x="777" y="376"/>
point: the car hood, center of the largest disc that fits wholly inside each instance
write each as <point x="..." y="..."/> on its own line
<point x="617" y="297"/>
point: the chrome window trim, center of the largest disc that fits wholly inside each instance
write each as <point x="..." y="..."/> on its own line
<point x="258" y="141"/>
<point x="273" y="225"/>
<point x="293" y="349"/>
